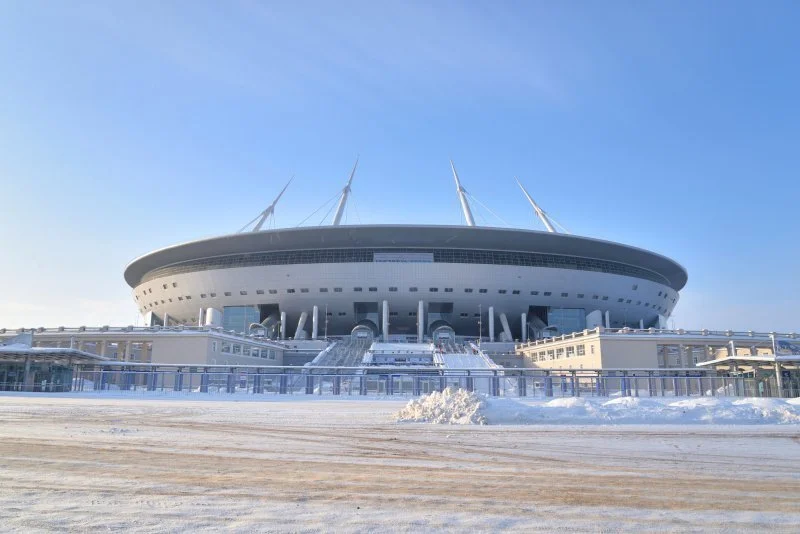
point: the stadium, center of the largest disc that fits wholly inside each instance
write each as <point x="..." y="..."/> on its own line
<point x="420" y="281"/>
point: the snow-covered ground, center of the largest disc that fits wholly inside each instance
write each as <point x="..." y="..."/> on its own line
<point x="318" y="464"/>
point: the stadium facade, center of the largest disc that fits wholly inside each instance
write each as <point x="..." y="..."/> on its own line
<point x="412" y="280"/>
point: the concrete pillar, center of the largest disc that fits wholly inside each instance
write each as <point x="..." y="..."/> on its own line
<point x="420" y="321"/>
<point x="128" y="347"/>
<point x="27" y="378"/>
<point x="314" y="322"/>
<point x="283" y="325"/>
<point x="778" y="378"/>
<point x="101" y="348"/>
<point x="301" y="324"/>
<point x="641" y="324"/>
<point x="608" y="319"/>
<point x="524" y="337"/>
<point x="506" y="328"/>
<point x="200" y="317"/>
<point x="385" y="320"/>
<point x="491" y="323"/>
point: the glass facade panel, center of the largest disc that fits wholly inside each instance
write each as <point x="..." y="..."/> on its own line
<point x="239" y="318"/>
<point x="567" y="319"/>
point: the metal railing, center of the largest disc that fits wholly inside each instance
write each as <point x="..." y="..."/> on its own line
<point x="410" y="382"/>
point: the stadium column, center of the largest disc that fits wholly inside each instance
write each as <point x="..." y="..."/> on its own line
<point x="491" y="323"/>
<point x="608" y="319"/>
<point x="385" y="321"/>
<point x="641" y="324"/>
<point x="283" y="325"/>
<point x="200" y="317"/>
<point x="315" y="322"/>
<point x="524" y="337"/>
<point x="420" y="321"/>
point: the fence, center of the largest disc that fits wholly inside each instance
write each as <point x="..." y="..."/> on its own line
<point x="407" y="382"/>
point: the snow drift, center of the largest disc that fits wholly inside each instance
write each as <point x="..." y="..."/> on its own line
<point x="459" y="407"/>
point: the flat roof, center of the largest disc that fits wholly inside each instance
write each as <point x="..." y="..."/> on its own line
<point x="407" y="236"/>
<point x="20" y="353"/>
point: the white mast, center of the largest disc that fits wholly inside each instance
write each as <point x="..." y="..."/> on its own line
<point x="462" y="197"/>
<point x="539" y="211"/>
<point x="271" y="208"/>
<point x="264" y="215"/>
<point x="343" y="199"/>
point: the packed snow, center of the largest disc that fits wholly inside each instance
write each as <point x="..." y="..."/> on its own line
<point x="459" y="407"/>
<point x="86" y="463"/>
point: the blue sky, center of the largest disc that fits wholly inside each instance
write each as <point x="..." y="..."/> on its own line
<point x="128" y="126"/>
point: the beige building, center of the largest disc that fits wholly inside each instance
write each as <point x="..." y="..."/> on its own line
<point x="173" y="345"/>
<point x="627" y="348"/>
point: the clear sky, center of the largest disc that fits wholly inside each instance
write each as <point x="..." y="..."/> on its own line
<point x="129" y="126"/>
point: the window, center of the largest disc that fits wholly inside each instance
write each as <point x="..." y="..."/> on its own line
<point x="595" y="297"/>
<point x="290" y="290"/>
<point x="213" y="346"/>
<point x="164" y="286"/>
<point x="243" y="293"/>
<point x="570" y="352"/>
<point x="592" y="347"/>
<point x="180" y="298"/>
<point x="638" y="302"/>
<point x="342" y="314"/>
<point x="483" y="290"/>
<point x="647" y="304"/>
<point x="323" y="290"/>
<point x="464" y="315"/>
<point x="581" y="350"/>
<point x="476" y="314"/>
<point x="559" y="353"/>
<point x="149" y="290"/>
<point x="468" y="290"/>
<point x="226" y="347"/>
<point x="635" y="287"/>
<point x="174" y="284"/>
<point x="502" y="291"/>
<point x="620" y="300"/>
<point x="246" y="351"/>
<point x="412" y="314"/>
<point x="628" y="301"/>
<point x="330" y="314"/>
<point x="548" y="293"/>
<point x="373" y="289"/>
<point x="534" y="293"/>
<point x="448" y="290"/>
<point x="203" y="295"/>
<point x="303" y="290"/>
<point x="259" y="291"/>
<point x="188" y="297"/>
<point x="227" y="293"/>
<point x="392" y="314"/>
<point x="580" y="295"/>
<point x="213" y="295"/>
<point x="393" y="289"/>
<point x="357" y="289"/>
<point x="162" y="302"/>
<point x="412" y="289"/>
<point x="337" y="289"/>
<point x="273" y="291"/>
<point x="237" y="349"/>
<point x="551" y="354"/>
<point x="605" y="298"/>
<point x="433" y="289"/>
<point x="515" y="292"/>
<point x="659" y="293"/>
<point x="564" y="294"/>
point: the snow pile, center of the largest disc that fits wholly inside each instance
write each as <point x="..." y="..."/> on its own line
<point x="461" y="407"/>
<point x="451" y="406"/>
